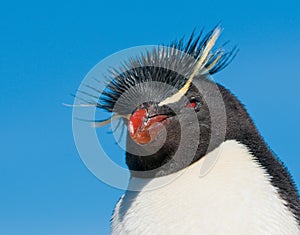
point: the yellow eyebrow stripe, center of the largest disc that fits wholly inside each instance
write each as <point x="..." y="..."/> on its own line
<point x="198" y="68"/>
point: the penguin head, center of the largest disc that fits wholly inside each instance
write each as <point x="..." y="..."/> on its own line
<point x="165" y="100"/>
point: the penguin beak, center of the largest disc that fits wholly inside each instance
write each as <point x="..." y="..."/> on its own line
<point x="144" y="127"/>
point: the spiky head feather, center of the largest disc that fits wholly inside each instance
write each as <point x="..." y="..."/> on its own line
<point x="175" y="66"/>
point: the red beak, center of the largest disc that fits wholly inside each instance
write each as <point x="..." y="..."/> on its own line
<point x="143" y="129"/>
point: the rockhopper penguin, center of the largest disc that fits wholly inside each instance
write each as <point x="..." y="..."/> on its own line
<point x="177" y="119"/>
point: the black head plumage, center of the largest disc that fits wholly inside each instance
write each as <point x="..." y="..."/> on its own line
<point x="172" y="65"/>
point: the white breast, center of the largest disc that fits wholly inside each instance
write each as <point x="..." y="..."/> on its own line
<point x="235" y="197"/>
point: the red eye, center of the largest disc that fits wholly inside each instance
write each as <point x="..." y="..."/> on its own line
<point x="192" y="104"/>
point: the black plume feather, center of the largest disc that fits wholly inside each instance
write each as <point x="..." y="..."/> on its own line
<point x="170" y="65"/>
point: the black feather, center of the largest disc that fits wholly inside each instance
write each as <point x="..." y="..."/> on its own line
<point x="160" y="65"/>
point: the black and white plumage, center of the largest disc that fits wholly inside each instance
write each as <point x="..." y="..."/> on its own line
<point x="248" y="191"/>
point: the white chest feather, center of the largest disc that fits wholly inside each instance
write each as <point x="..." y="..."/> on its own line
<point x="235" y="197"/>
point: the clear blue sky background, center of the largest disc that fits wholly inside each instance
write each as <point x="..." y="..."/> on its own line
<point x="47" y="47"/>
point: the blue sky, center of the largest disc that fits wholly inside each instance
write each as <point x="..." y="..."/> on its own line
<point x="46" y="49"/>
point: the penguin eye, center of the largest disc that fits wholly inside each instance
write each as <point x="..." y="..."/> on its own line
<point x="192" y="104"/>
